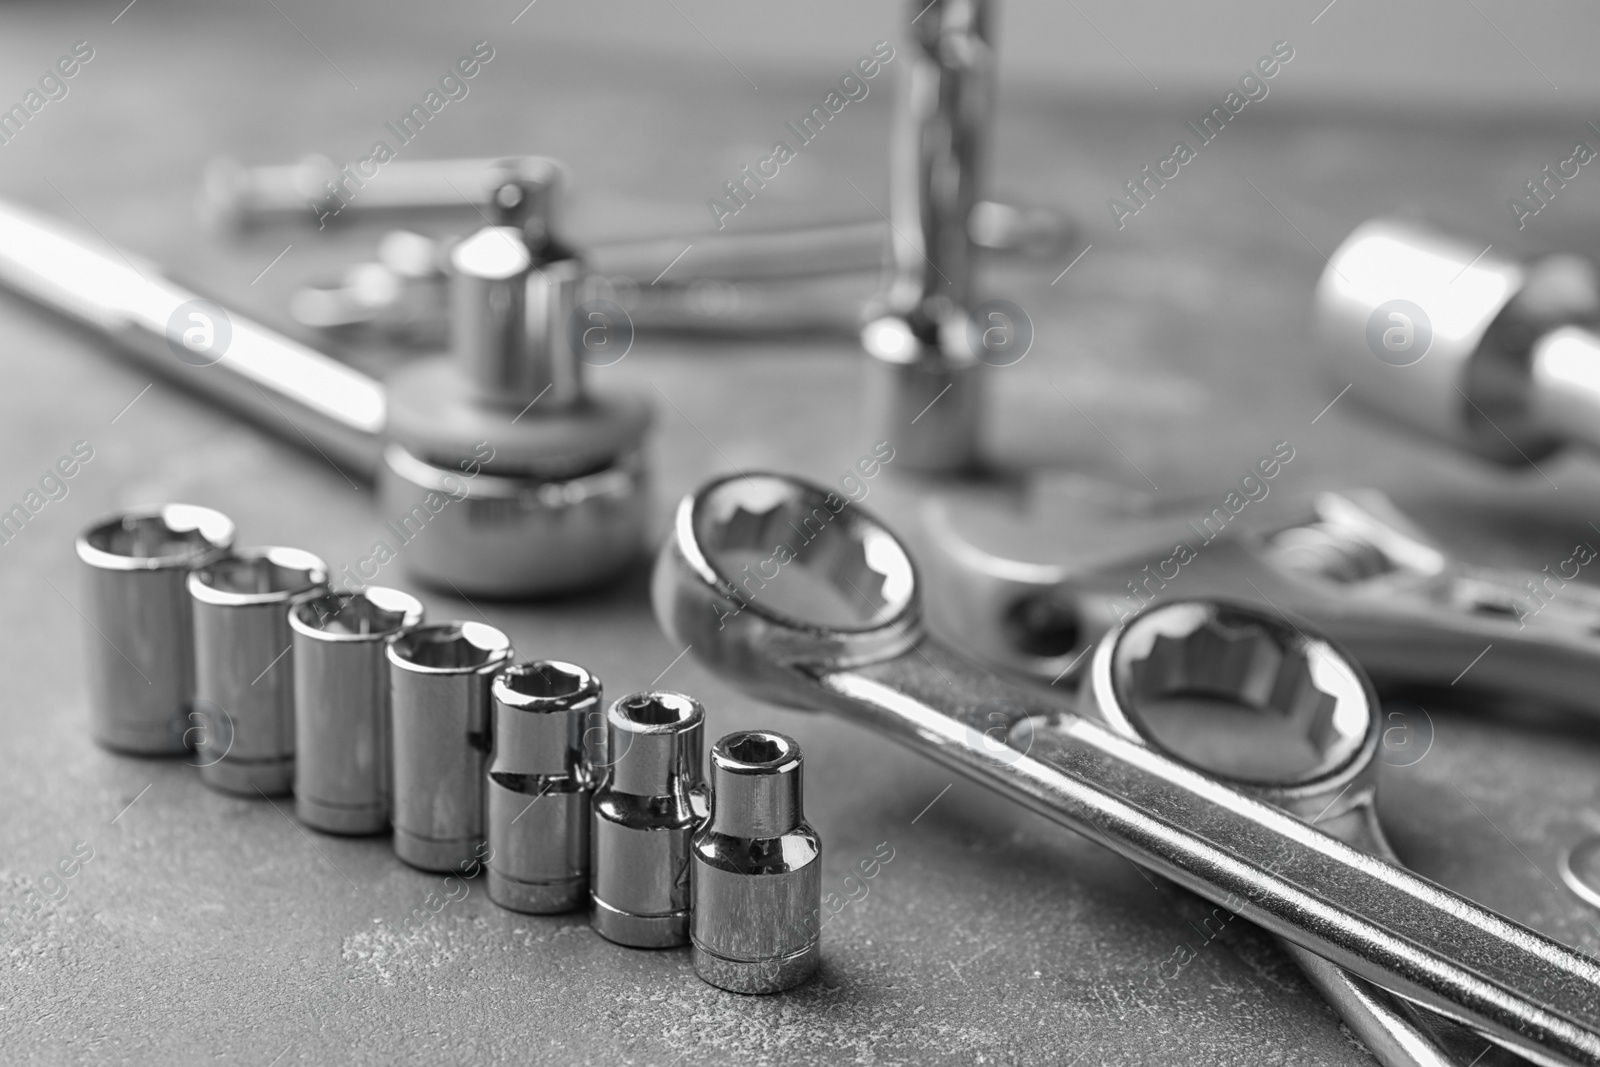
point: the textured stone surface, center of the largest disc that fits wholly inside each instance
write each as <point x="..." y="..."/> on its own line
<point x="211" y="929"/>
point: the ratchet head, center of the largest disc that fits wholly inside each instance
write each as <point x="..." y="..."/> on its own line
<point x="764" y="574"/>
<point x="1244" y="695"/>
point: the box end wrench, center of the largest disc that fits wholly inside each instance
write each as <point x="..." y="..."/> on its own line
<point x="841" y="629"/>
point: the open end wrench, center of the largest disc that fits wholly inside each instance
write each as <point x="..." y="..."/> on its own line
<point x="1352" y="563"/>
<point x="807" y="601"/>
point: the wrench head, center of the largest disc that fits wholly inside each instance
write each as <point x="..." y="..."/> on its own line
<point x="1243" y="694"/>
<point x="765" y="576"/>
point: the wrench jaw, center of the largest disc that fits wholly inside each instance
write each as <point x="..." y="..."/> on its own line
<point x="767" y="577"/>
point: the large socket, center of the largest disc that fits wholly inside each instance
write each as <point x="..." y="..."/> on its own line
<point x="139" y="624"/>
<point x="440" y="676"/>
<point x="341" y="701"/>
<point x="244" y="666"/>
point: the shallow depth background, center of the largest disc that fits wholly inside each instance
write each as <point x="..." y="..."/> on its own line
<point x="212" y="929"/>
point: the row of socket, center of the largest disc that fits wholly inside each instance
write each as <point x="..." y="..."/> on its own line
<point x="375" y="719"/>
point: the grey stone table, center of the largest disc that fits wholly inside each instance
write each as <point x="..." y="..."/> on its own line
<point x="210" y="929"/>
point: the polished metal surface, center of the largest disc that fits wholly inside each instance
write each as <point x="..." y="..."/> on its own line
<point x="440" y="676"/>
<point x="139" y="625"/>
<point x="1238" y="696"/>
<point x="244" y="666"/>
<point x="235" y="197"/>
<point x="546" y="717"/>
<point x="281" y="384"/>
<point x="1461" y="343"/>
<point x="841" y="628"/>
<point x="500" y="545"/>
<point x="489" y="311"/>
<point x="923" y="385"/>
<point x="509" y="537"/>
<point x="548" y="490"/>
<point x="756" y="870"/>
<point x="647" y="803"/>
<point x="1413" y="616"/>
<point x="341" y="706"/>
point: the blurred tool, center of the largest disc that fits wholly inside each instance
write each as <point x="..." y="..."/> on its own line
<point x="645" y="810"/>
<point x="559" y="499"/>
<point x="1350" y="562"/>
<point x="1243" y="695"/>
<point x="1461" y="344"/>
<point x="756" y="873"/>
<point x="234" y="197"/>
<point x="773" y="282"/>
<point x="520" y="502"/>
<point x="440" y="675"/>
<point x="244" y="665"/>
<point x="341" y="706"/>
<point x="923" y="385"/>
<point x="538" y="787"/>
<point x="840" y="627"/>
<point x="139" y="626"/>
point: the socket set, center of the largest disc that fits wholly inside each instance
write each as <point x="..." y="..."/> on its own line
<point x="376" y="719"/>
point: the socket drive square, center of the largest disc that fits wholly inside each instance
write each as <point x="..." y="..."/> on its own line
<point x="139" y="628"/>
<point x="439" y="677"/>
<point x="244" y="666"/>
<point x="341" y="706"/>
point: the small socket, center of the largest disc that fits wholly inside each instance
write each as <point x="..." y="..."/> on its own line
<point x="538" y="786"/>
<point x="757" y="870"/>
<point x="645" y="810"/>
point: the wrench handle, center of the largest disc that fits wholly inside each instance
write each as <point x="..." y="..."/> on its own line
<point x="1382" y="923"/>
<point x="291" y="390"/>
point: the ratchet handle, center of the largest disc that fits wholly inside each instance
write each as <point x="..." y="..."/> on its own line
<point x="1384" y="924"/>
<point x="293" y="391"/>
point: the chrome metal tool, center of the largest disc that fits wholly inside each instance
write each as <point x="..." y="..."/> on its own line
<point x="646" y="805"/>
<point x="244" y="665"/>
<point x="544" y="718"/>
<point x="1461" y="344"/>
<point x="440" y="676"/>
<point x="1414" y="617"/>
<point x="756" y="870"/>
<point x="514" y="506"/>
<point x="923" y="384"/>
<point x="841" y="628"/>
<point x="139" y="626"/>
<point x="342" y="709"/>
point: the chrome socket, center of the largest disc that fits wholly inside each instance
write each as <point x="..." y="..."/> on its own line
<point x="341" y="702"/>
<point x="645" y="811"/>
<point x="756" y="870"/>
<point x="439" y="692"/>
<point x="538" y="786"/>
<point x="140" y="625"/>
<point x="244" y="666"/>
